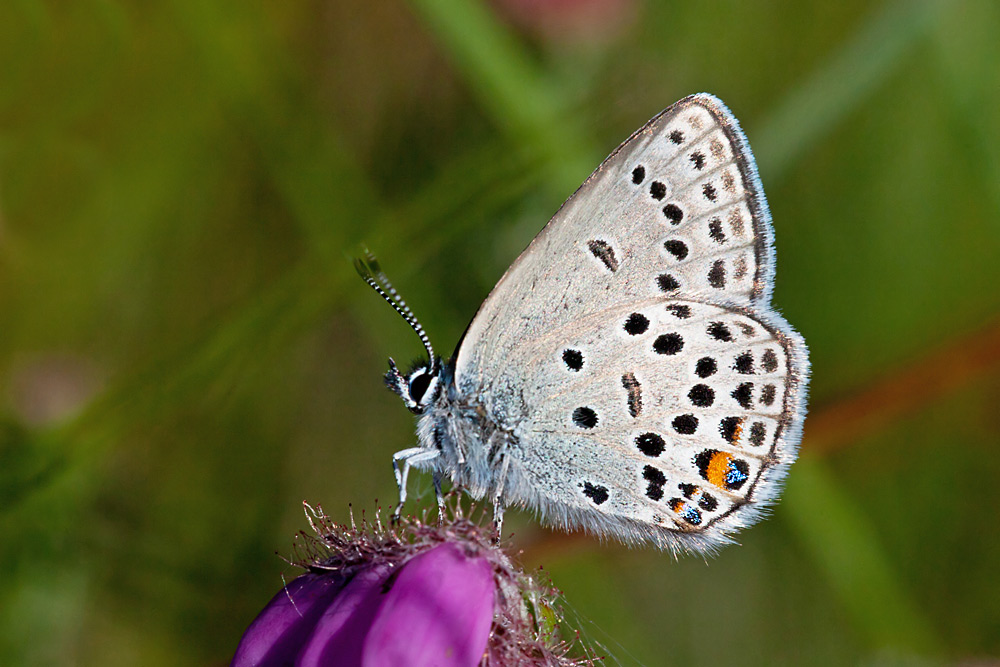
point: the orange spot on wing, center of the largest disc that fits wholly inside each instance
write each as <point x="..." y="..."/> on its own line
<point x="739" y="430"/>
<point x="718" y="468"/>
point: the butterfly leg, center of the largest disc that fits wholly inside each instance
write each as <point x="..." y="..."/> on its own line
<point x="439" y="494"/>
<point x="497" y="520"/>
<point x="497" y="506"/>
<point x="407" y="457"/>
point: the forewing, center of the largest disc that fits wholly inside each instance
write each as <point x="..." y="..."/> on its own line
<point x="676" y="211"/>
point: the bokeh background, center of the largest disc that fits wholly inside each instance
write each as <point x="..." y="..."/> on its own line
<point x="186" y="353"/>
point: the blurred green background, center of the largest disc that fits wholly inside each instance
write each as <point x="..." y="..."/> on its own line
<point x="186" y="353"/>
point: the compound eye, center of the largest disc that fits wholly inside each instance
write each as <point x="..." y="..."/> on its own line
<point x="419" y="385"/>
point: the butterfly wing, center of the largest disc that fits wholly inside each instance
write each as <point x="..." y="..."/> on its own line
<point x="666" y="421"/>
<point x="674" y="220"/>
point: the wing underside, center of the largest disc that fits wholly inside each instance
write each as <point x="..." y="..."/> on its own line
<point x="674" y="221"/>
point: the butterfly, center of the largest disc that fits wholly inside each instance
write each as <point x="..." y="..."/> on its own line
<point x="627" y="376"/>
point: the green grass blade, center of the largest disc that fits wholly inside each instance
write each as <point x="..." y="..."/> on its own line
<point x="846" y="548"/>
<point x="851" y="74"/>
<point x="512" y="89"/>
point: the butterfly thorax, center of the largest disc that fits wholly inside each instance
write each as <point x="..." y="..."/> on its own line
<point x="471" y="443"/>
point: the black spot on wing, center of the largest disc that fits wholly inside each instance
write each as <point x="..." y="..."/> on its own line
<point x="715" y="231"/>
<point x="634" y="392"/>
<point x="719" y="331"/>
<point x="673" y="213"/>
<point x="676" y="248"/>
<point x="650" y="444"/>
<point x="744" y="395"/>
<point x="685" y="424"/>
<point x="730" y="428"/>
<point x="636" y="324"/>
<point x="744" y="364"/>
<point x="769" y="361"/>
<point x="705" y="367"/>
<point x="603" y="251"/>
<point x="679" y="310"/>
<point x="656" y="480"/>
<point x="597" y="493"/>
<point x="666" y="282"/>
<point x="701" y="395"/>
<point x="669" y="343"/>
<point x="585" y="417"/>
<point x="573" y="359"/>
<point x="717" y="274"/>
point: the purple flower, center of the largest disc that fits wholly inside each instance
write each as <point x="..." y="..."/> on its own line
<point x="421" y="594"/>
<point x="437" y="610"/>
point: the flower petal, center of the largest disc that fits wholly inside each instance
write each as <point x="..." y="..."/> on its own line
<point x="338" y="638"/>
<point x="438" y="612"/>
<point x="277" y="634"/>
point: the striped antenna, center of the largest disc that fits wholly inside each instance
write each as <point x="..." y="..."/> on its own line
<point x="370" y="271"/>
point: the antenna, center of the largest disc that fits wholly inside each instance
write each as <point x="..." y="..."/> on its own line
<point x="371" y="272"/>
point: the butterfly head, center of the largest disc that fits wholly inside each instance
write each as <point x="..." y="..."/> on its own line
<point x="419" y="388"/>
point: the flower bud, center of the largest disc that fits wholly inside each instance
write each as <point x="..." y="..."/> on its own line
<point x="419" y="594"/>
